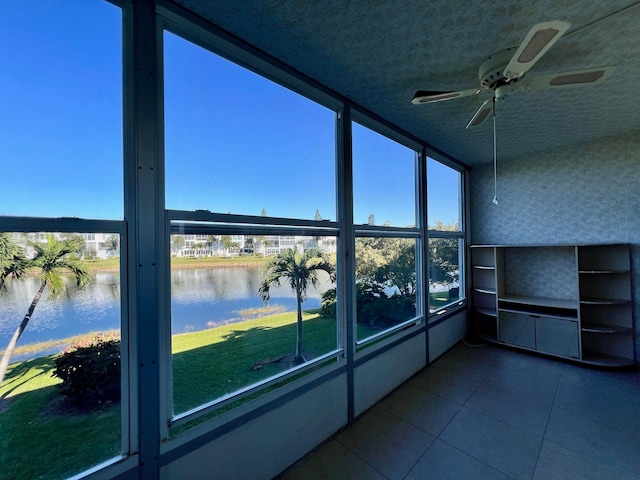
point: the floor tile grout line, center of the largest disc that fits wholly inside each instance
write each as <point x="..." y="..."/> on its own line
<point x="544" y="434"/>
<point x="437" y="437"/>
<point x="454" y="416"/>
<point x="417" y="426"/>
<point x="420" y="457"/>
<point x="480" y="383"/>
<point x="365" y="461"/>
<point x="475" y="458"/>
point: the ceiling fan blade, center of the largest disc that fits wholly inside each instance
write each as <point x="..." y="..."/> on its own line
<point x="482" y="113"/>
<point x="539" y="39"/>
<point x="576" y="78"/>
<point x="430" y="96"/>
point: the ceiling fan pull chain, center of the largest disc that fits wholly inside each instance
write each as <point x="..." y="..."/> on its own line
<point x="495" y="156"/>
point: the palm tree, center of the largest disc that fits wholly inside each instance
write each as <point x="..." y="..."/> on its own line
<point x="298" y="269"/>
<point x="112" y="242"/>
<point x="52" y="259"/>
<point x="12" y="260"/>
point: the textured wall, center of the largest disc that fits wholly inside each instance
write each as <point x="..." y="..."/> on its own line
<point x="586" y="194"/>
<point x="558" y="277"/>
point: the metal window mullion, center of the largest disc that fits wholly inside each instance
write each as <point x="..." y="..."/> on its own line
<point x="346" y="251"/>
<point x="144" y="206"/>
<point x="209" y="229"/>
<point x="216" y="404"/>
<point x="379" y="125"/>
<point x="207" y="216"/>
<point x="61" y="225"/>
<point x="387" y="232"/>
<point x="417" y="320"/>
<point x="184" y="23"/>
<point x="422" y="280"/>
<point x="466" y="224"/>
<point x="444" y="234"/>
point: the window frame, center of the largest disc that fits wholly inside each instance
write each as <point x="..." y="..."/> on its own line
<point x="221" y="43"/>
<point x="417" y="232"/>
<point x="209" y="223"/>
<point x="128" y="392"/>
<point x="439" y="314"/>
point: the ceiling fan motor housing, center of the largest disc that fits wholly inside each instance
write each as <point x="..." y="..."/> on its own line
<point x="491" y="72"/>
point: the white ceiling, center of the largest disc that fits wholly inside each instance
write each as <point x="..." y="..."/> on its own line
<point x="378" y="53"/>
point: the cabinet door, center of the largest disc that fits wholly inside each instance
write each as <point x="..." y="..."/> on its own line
<point x="557" y="336"/>
<point x="516" y="329"/>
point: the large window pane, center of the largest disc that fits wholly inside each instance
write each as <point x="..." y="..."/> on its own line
<point x="444" y="272"/>
<point x="383" y="180"/>
<point x="60" y="401"/>
<point x="385" y="283"/>
<point x="61" y="109"/>
<point x="226" y="334"/>
<point x="443" y="196"/>
<point x="238" y="143"/>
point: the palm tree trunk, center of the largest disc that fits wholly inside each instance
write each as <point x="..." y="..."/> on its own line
<point x="4" y="363"/>
<point x="299" y="358"/>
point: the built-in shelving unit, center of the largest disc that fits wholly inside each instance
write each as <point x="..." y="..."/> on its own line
<point x="605" y="304"/>
<point x="485" y="292"/>
<point x="566" y="301"/>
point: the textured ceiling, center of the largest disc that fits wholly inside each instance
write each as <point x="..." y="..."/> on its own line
<point x="378" y="53"/>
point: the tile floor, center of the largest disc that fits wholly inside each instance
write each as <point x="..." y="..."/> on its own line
<point x="489" y="413"/>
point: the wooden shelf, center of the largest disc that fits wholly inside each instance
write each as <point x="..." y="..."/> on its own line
<point x="592" y="324"/>
<point x="602" y="360"/>
<point x="604" y="301"/>
<point x="537" y="313"/>
<point x="598" y="272"/>
<point x="589" y="327"/>
<point x="540" y="301"/>
<point x="488" y="291"/>
<point x="487" y="337"/>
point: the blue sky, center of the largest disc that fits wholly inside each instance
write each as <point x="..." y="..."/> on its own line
<point x="234" y="141"/>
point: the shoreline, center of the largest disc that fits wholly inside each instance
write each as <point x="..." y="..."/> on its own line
<point x="232" y="263"/>
<point x="187" y="267"/>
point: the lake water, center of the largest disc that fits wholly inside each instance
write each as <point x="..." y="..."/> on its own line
<point x="200" y="298"/>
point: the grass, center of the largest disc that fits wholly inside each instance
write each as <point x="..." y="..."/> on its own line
<point x="36" y="424"/>
<point x="48" y="346"/>
<point x="439" y="299"/>
<point x="212" y="363"/>
<point x="111" y="264"/>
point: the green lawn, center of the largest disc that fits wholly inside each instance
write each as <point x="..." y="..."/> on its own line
<point x="183" y="262"/>
<point x="40" y="439"/>
<point x="36" y="424"/>
<point x="212" y="363"/>
<point x="439" y="299"/>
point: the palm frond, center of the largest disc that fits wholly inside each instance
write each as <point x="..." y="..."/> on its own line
<point x="56" y="256"/>
<point x="13" y="262"/>
<point x="299" y="269"/>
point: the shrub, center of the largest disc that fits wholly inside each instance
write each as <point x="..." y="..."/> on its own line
<point x="90" y="371"/>
<point x="374" y="307"/>
<point x="328" y="304"/>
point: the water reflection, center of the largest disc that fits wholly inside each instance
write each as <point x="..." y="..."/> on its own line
<point x="96" y="307"/>
<point x="200" y="298"/>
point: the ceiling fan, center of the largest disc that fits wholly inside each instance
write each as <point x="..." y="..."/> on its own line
<point x="504" y="73"/>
